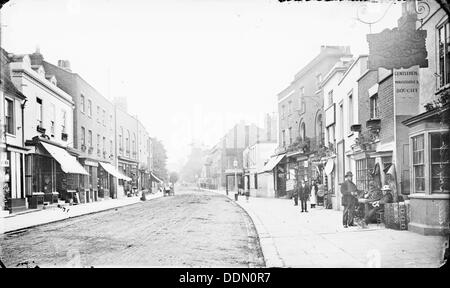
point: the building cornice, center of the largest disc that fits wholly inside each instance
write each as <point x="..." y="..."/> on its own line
<point x="351" y="67"/>
<point x="59" y="94"/>
<point x="425" y="116"/>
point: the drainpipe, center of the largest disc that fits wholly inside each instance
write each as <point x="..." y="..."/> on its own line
<point x="22" y="106"/>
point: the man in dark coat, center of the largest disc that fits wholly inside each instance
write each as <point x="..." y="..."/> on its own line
<point x="303" y="192"/>
<point x="295" y="195"/>
<point x="378" y="204"/>
<point x="348" y="192"/>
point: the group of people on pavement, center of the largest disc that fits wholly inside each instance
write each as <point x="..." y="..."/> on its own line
<point x="305" y="193"/>
<point x="308" y="193"/>
<point x="350" y="194"/>
<point x="167" y="188"/>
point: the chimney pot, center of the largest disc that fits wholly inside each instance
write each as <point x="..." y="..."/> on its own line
<point x="65" y="64"/>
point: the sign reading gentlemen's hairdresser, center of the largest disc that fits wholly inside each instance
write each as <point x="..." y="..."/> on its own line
<point x="402" y="47"/>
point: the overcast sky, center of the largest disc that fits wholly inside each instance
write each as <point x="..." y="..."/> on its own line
<point x="190" y="68"/>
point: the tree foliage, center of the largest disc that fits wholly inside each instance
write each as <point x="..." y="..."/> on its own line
<point x="159" y="159"/>
<point x="193" y="166"/>
<point x="173" y="177"/>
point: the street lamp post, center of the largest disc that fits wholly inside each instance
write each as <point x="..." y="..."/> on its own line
<point x="235" y="165"/>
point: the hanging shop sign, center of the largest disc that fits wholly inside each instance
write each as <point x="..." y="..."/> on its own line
<point x="398" y="48"/>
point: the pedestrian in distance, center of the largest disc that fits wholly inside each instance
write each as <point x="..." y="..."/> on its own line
<point x="304" y="191"/>
<point x="295" y="195"/>
<point x="313" y="197"/>
<point x="349" y="200"/>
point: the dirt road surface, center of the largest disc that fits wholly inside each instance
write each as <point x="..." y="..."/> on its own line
<point x="190" y="229"/>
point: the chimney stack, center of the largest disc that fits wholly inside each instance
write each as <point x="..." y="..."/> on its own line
<point x="65" y="64"/>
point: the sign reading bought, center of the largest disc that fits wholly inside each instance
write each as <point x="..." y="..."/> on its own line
<point x="406" y="90"/>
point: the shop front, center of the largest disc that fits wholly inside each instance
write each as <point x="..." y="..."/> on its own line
<point x="51" y="174"/>
<point x="107" y="172"/>
<point x="275" y="168"/>
<point x="429" y="140"/>
<point x="154" y="182"/>
<point x="144" y="180"/>
<point x="127" y="186"/>
<point x="13" y="161"/>
<point x="328" y="188"/>
<point x="89" y="183"/>
<point x="234" y="180"/>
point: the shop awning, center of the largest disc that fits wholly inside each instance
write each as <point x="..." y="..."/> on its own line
<point x="273" y="161"/>
<point x="329" y="166"/>
<point x="69" y="164"/>
<point x="114" y="172"/>
<point x="155" y="178"/>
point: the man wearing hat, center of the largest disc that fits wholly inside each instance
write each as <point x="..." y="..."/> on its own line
<point x="378" y="204"/>
<point x="348" y="191"/>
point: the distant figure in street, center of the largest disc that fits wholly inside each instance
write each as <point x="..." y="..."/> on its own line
<point x="378" y="204"/>
<point x="172" y="188"/>
<point x="295" y="195"/>
<point x="313" y="198"/>
<point x="349" y="200"/>
<point x="304" y="191"/>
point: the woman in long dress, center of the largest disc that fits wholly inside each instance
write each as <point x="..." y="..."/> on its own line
<point x="313" y="197"/>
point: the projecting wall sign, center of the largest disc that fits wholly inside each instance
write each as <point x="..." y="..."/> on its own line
<point x="398" y="48"/>
<point x="406" y="90"/>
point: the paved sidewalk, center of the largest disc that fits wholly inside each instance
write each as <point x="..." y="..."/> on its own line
<point x="290" y="238"/>
<point x="26" y="220"/>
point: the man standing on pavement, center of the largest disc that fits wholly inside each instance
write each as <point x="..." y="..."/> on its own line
<point x="348" y="192"/>
<point x="378" y="204"/>
<point x="304" y="195"/>
<point x="295" y="195"/>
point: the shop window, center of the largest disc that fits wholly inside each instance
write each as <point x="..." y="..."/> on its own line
<point x="7" y="180"/>
<point x="363" y="166"/>
<point x="440" y="165"/>
<point x="43" y="174"/>
<point x="28" y="174"/>
<point x="9" y="116"/>
<point x="418" y="163"/>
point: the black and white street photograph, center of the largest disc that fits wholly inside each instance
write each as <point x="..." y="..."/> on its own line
<point x="224" y="134"/>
